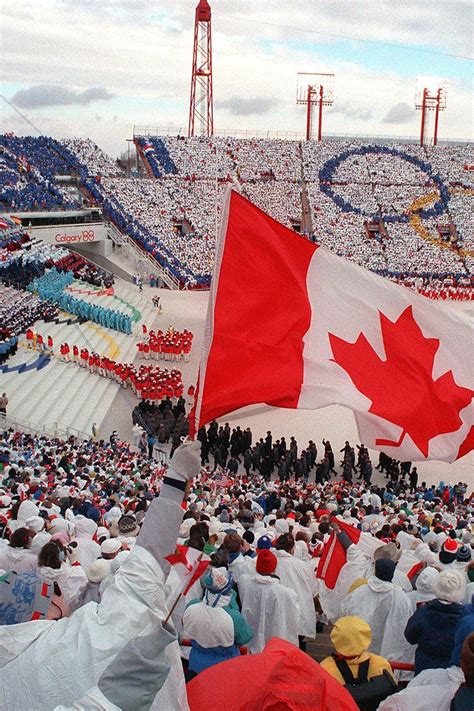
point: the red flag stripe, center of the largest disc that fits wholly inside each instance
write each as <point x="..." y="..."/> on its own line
<point x="254" y="353"/>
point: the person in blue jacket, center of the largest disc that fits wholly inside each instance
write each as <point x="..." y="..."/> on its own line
<point x="432" y="626"/>
<point x="214" y="624"/>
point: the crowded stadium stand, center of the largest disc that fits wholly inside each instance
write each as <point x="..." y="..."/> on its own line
<point x="397" y="209"/>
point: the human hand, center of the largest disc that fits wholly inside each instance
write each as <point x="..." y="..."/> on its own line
<point x="186" y="461"/>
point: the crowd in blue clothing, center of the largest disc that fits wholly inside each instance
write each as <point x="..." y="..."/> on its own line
<point x="157" y="156"/>
<point x="8" y="345"/>
<point x="29" y="167"/>
<point x="51" y="287"/>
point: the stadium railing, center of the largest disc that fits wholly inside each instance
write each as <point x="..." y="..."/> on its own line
<point x="50" y="429"/>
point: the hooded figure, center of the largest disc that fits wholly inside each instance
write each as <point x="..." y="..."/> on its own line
<point x="385" y="608"/>
<point x="351" y="637"/>
<point x="87" y="549"/>
<point x="270" y="608"/>
<point x="297" y="576"/>
<point x="214" y="625"/>
<point x="424" y="587"/>
<point x="432" y="626"/>
<point x="441" y="689"/>
<point x="119" y="652"/>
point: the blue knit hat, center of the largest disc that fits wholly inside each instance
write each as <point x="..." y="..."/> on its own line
<point x="264" y="542"/>
<point x="384" y="569"/>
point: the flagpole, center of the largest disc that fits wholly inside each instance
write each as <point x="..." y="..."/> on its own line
<point x="216" y="226"/>
<point x="173" y="607"/>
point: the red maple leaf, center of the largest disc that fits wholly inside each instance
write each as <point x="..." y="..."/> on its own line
<point x="401" y="388"/>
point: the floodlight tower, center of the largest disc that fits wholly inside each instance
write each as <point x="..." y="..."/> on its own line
<point x="200" y="107"/>
<point x="313" y="89"/>
<point x="431" y="95"/>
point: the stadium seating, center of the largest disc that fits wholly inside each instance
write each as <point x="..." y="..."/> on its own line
<point x="398" y="209"/>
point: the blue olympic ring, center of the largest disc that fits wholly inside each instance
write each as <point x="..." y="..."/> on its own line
<point x="326" y="175"/>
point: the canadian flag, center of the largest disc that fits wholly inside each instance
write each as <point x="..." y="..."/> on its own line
<point x="292" y="325"/>
<point x="189" y="564"/>
<point x="334" y="557"/>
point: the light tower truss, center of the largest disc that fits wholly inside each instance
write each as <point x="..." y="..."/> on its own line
<point x="314" y="89"/>
<point x="430" y="99"/>
<point x="201" y="120"/>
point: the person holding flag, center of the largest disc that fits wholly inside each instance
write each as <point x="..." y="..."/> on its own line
<point x="120" y="652"/>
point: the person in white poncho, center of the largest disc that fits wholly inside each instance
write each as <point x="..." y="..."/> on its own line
<point x="118" y="653"/>
<point x="270" y="608"/>
<point x="385" y="608"/>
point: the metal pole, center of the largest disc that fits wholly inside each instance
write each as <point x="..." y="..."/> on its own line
<point x="308" y="115"/>
<point x="438" y="100"/>
<point x="423" y="111"/>
<point x="320" y="127"/>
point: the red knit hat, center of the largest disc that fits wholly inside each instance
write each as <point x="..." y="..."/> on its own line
<point x="266" y="562"/>
<point x="450" y="546"/>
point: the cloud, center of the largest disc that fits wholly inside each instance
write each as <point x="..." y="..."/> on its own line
<point x="37" y="97"/>
<point x="399" y="113"/>
<point x="352" y="112"/>
<point x="240" y="106"/>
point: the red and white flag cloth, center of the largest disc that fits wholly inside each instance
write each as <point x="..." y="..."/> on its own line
<point x="334" y="557"/>
<point x="189" y="564"/>
<point x="292" y="325"/>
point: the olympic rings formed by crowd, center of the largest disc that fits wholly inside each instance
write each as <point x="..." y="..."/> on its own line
<point x="327" y="172"/>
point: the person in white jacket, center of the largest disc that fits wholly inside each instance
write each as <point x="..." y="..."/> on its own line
<point x="296" y="575"/>
<point x="270" y="608"/>
<point x="53" y="565"/>
<point x="17" y="557"/>
<point x="386" y="608"/>
<point x="118" y="653"/>
<point x="424" y="587"/>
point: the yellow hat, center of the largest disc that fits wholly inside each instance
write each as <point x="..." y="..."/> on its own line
<point x="357" y="584"/>
<point x="351" y="636"/>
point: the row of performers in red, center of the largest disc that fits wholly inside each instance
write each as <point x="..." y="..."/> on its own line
<point x="147" y="382"/>
<point x="172" y="345"/>
<point x="449" y="293"/>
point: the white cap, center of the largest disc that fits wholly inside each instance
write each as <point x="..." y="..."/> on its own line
<point x="450" y="586"/>
<point x="98" y="570"/>
<point x="110" y="545"/>
<point x="101" y="532"/>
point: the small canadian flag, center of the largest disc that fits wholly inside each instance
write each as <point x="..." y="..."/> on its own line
<point x="189" y="564"/>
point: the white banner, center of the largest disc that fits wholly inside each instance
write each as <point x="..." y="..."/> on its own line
<point x="67" y="235"/>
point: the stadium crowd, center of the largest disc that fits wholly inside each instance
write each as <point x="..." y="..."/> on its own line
<point x="174" y="215"/>
<point x="19" y="309"/>
<point x="94" y="525"/>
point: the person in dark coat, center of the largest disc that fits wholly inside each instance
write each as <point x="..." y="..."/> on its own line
<point x="433" y="625"/>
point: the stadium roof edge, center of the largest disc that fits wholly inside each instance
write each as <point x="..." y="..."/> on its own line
<point x="289" y="135"/>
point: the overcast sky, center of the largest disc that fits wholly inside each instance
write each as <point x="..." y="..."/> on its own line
<point x="97" y="67"/>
